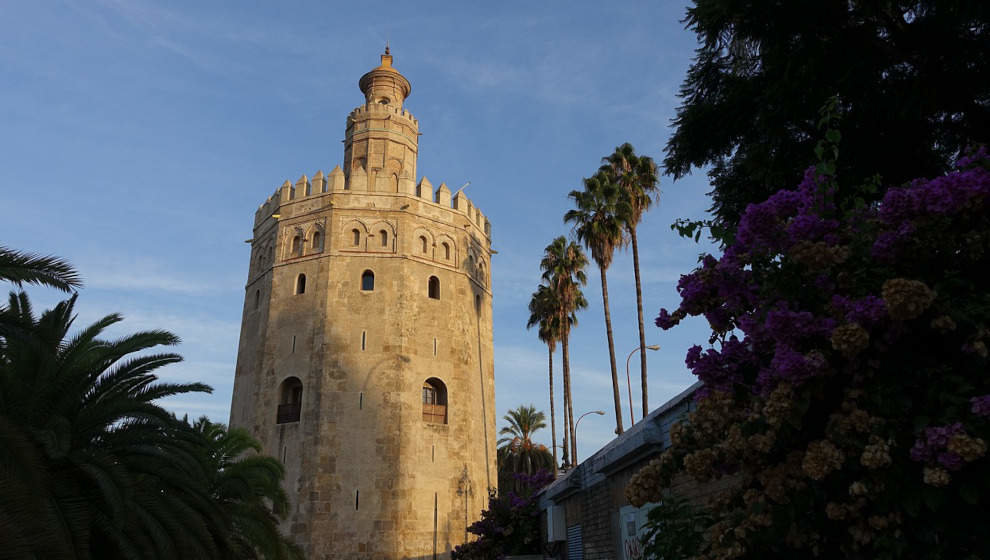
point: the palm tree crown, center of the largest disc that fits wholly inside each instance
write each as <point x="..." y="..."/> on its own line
<point x="517" y="453"/>
<point x="597" y="217"/>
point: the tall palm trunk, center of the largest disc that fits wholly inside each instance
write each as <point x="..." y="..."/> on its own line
<point x="553" y="417"/>
<point x="611" y="355"/>
<point x="567" y="395"/>
<point x="639" y="315"/>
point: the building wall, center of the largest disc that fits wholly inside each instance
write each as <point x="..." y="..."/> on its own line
<point x="592" y="496"/>
<point x="366" y="475"/>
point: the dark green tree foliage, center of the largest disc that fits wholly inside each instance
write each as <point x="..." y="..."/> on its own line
<point x="517" y="453"/>
<point x="92" y="467"/>
<point x="913" y="79"/>
<point x="674" y="529"/>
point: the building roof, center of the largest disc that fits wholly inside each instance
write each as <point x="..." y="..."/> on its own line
<point x="645" y="438"/>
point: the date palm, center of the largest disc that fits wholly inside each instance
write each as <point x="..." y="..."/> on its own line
<point x="598" y="224"/>
<point x="517" y="453"/>
<point x="636" y="177"/>
<point x="563" y="267"/>
<point x="91" y="466"/>
<point x="248" y="488"/>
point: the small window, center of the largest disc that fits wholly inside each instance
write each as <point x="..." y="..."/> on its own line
<point x="301" y="284"/>
<point x="290" y="401"/>
<point x="296" y="245"/>
<point x="395" y="183"/>
<point x="257" y="299"/>
<point x="481" y="272"/>
<point x="317" y="241"/>
<point x="434" y="401"/>
<point x="357" y="237"/>
<point x="446" y="251"/>
<point x="384" y="235"/>
<point x="423" y="244"/>
<point x="434" y="287"/>
<point x="368" y="281"/>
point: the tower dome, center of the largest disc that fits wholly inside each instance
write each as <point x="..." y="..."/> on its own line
<point x="385" y="85"/>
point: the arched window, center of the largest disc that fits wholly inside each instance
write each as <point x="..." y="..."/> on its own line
<point x="296" y="246"/>
<point x="446" y="251"/>
<point x="317" y="241"/>
<point x="481" y="272"/>
<point x="357" y="236"/>
<point x="434" y="288"/>
<point x="257" y="299"/>
<point x="423" y="244"/>
<point x="290" y="401"/>
<point x="368" y="281"/>
<point x="301" y="284"/>
<point x="395" y="183"/>
<point x="434" y="401"/>
<point x="384" y="235"/>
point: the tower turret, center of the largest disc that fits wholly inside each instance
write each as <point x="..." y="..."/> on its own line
<point x="382" y="138"/>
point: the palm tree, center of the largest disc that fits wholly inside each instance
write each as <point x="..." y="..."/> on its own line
<point x="517" y="454"/>
<point x="636" y="177"/>
<point x="248" y="487"/>
<point x="563" y="267"/>
<point x="92" y="467"/>
<point x="598" y="225"/>
<point x="543" y="312"/>
<point x="27" y="268"/>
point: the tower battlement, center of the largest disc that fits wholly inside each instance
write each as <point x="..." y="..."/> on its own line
<point x="332" y="191"/>
<point x="376" y="109"/>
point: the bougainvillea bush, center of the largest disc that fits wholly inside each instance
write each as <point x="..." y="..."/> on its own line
<point x="511" y="524"/>
<point x="847" y="388"/>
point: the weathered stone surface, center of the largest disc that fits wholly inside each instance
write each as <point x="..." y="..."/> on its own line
<point x="367" y="476"/>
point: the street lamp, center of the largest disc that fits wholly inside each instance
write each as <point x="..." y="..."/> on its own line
<point x="629" y="383"/>
<point x="576" y="424"/>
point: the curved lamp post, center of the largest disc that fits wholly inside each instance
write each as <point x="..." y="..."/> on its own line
<point x="574" y="443"/>
<point x="629" y="383"/>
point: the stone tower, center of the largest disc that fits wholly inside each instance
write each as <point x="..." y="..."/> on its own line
<point x="365" y="357"/>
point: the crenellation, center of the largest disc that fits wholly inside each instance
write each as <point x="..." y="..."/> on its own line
<point x="337" y="182"/>
<point x="302" y="187"/>
<point x="443" y="195"/>
<point x="319" y="183"/>
<point x="425" y="189"/>
<point x="287" y="192"/>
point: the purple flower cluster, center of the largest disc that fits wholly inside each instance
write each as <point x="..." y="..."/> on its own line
<point x="787" y="314"/>
<point x="721" y="369"/>
<point x="902" y="209"/>
<point x="931" y="446"/>
<point x="980" y="405"/>
<point x="791" y="327"/>
<point x="868" y="311"/>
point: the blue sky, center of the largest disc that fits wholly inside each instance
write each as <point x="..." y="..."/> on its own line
<point x="137" y="139"/>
